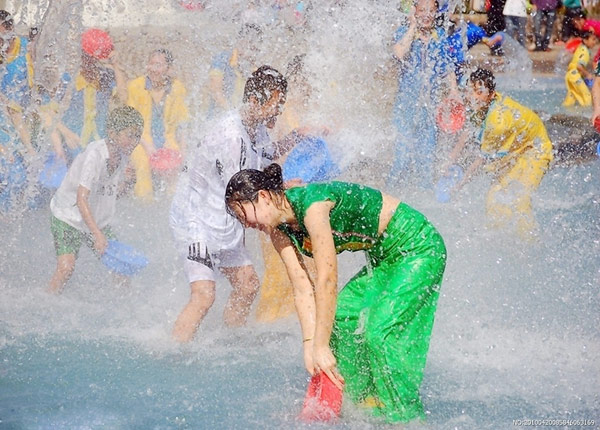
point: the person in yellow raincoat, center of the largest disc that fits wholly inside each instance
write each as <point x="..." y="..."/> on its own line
<point x="577" y="74"/>
<point x="514" y="147"/>
<point x="160" y="99"/>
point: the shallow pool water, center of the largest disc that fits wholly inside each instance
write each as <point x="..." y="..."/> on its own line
<point x="515" y="335"/>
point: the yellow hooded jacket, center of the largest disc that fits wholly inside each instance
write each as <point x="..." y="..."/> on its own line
<point x="175" y="113"/>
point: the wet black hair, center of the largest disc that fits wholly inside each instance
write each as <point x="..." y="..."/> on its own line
<point x="244" y="186"/>
<point x="577" y="12"/>
<point x="437" y="4"/>
<point x="6" y="20"/>
<point x="263" y="82"/>
<point x="588" y="34"/>
<point x="166" y="53"/>
<point x="124" y="117"/>
<point x="485" y="77"/>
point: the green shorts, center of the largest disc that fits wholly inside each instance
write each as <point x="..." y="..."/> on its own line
<point x="68" y="240"/>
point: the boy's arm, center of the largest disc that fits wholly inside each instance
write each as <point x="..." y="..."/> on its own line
<point x="584" y="72"/>
<point x="50" y="115"/>
<point x="469" y="173"/>
<point x="100" y="242"/>
<point x="121" y="80"/>
<point x="120" y="77"/>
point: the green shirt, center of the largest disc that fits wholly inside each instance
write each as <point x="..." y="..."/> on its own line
<point x="354" y="218"/>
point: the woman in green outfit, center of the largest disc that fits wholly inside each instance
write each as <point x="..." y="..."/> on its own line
<point x="377" y="329"/>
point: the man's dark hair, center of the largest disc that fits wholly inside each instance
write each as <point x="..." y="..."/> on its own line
<point x="263" y="82"/>
<point x="6" y="20"/>
<point x="485" y="77"/>
<point x="124" y="117"/>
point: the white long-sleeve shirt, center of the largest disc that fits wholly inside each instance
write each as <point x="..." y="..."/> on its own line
<point x="198" y="209"/>
<point x="515" y="8"/>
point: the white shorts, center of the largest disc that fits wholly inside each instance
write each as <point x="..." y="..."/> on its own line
<point x="200" y="263"/>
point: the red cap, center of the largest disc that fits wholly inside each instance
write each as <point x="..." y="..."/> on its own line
<point x="97" y="43"/>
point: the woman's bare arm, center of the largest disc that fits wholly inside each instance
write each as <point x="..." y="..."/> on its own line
<point x="319" y="229"/>
<point x="303" y="288"/>
<point x="304" y="297"/>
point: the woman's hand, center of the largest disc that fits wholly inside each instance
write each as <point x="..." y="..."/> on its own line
<point x="308" y="357"/>
<point x="323" y="360"/>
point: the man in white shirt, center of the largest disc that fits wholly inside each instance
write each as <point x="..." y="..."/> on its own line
<point x="207" y="236"/>
<point x="84" y="204"/>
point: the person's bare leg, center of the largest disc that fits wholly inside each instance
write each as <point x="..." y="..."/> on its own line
<point x="64" y="269"/>
<point x="245" y="284"/>
<point x="202" y="298"/>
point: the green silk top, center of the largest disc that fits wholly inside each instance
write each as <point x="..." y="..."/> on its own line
<point x="354" y="218"/>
